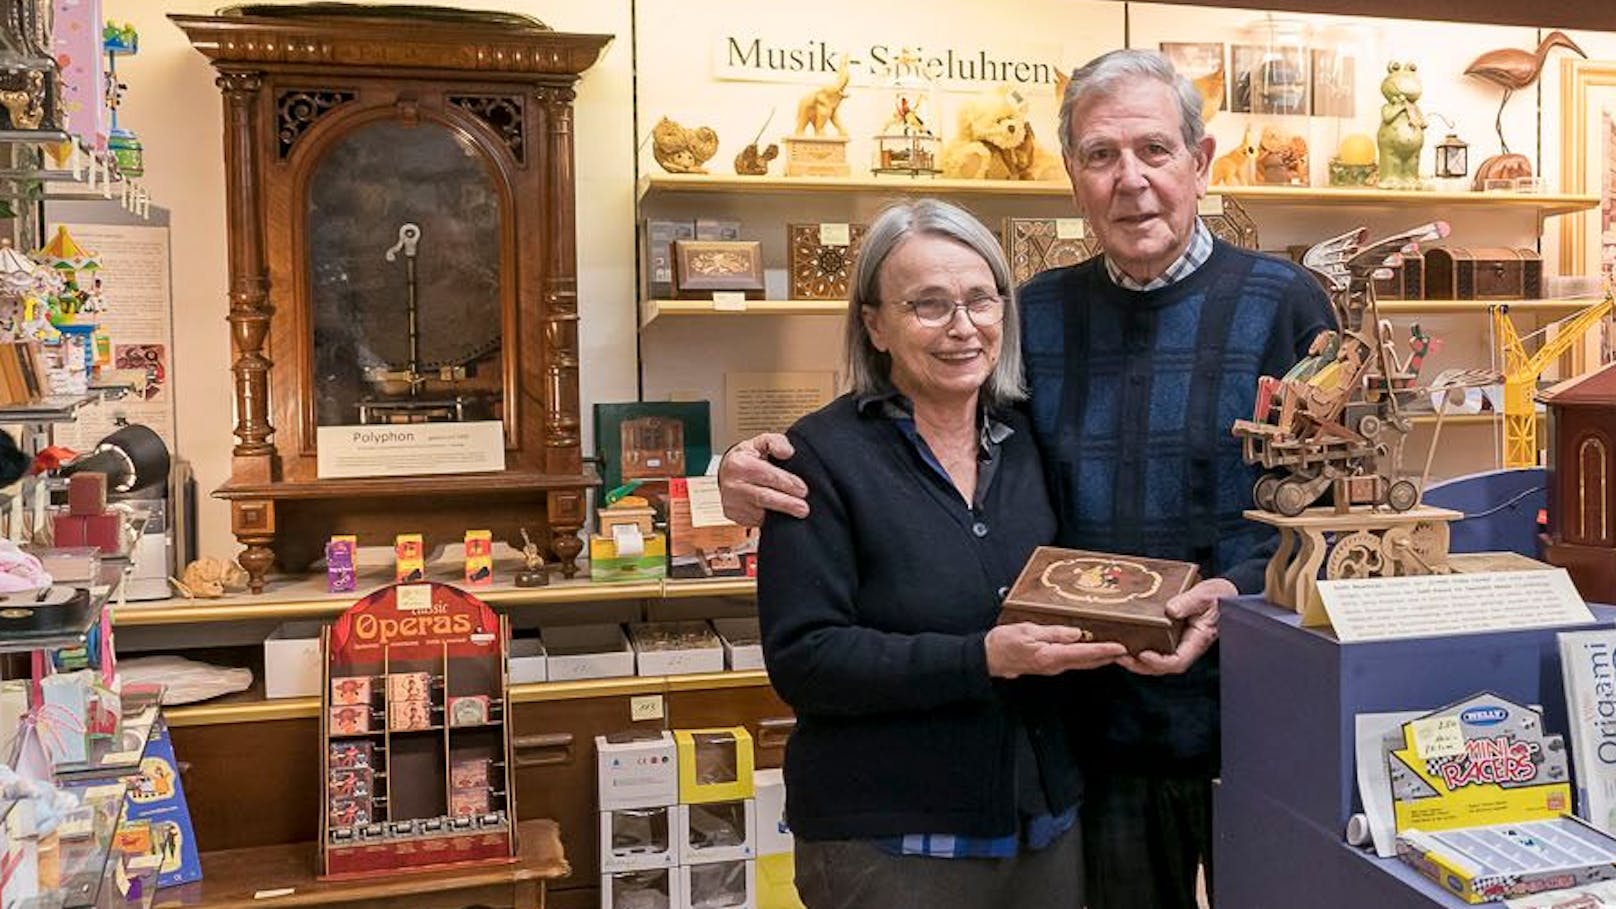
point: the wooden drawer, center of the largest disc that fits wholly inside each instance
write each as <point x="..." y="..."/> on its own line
<point x="268" y="771"/>
<point x="553" y="743"/>
<point x="756" y="707"/>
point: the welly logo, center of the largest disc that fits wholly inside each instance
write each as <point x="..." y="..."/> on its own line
<point x="1484" y="716"/>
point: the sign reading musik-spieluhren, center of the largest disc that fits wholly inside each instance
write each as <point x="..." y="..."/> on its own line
<point x="379" y="450"/>
<point x="756" y="58"/>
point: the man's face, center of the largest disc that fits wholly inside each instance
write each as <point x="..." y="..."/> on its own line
<point x="1133" y="177"/>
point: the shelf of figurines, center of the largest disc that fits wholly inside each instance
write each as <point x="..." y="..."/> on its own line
<point x="253" y="707"/>
<point x="651" y="310"/>
<point x="68" y="169"/>
<point x="1544" y="204"/>
<point x="302" y="598"/>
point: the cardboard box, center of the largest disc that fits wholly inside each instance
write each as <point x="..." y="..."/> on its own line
<point x="717" y="831"/>
<point x="715" y="765"/>
<point x="777" y="882"/>
<point x="607" y="565"/>
<point x="528" y="662"/>
<point x="587" y="652"/>
<point x="774" y="834"/>
<point x="635" y="889"/>
<point x="636" y="770"/>
<point x="635" y="839"/>
<point x="743" y="643"/>
<point x="721" y="551"/>
<point x="720" y="885"/>
<point x="676" y="648"/>
<point x="292" y="661"/>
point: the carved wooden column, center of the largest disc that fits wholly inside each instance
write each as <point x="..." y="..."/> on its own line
<point x="562" y="445"/>
<point x="253" y="523"/>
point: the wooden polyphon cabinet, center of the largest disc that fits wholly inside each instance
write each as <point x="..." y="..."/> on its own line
<point x="400" y="195"/>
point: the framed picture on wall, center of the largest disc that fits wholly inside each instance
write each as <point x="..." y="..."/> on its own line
<point x="1588" y="165"/>
<point x="1269" y="79"/>
<point x="1334" y="74"/>
<point x="1204" y="65"/>
<point x="1243" y="60"/>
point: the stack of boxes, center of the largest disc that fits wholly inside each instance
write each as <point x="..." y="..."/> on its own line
<point x="88" y="522"/>
<point x="678" y="825"/>
<point x="776" y="859"/>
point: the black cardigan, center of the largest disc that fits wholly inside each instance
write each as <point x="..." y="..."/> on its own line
<point x="874" y="609"/>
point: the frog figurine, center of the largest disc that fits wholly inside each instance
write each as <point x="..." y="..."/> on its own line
<point x="1402" y="127"/>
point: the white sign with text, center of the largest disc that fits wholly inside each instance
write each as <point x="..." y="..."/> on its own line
<point x="410" y="449"/>
<point x="1377" y="609"/>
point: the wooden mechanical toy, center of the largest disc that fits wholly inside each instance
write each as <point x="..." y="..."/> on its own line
<point x="1337" y="423"/>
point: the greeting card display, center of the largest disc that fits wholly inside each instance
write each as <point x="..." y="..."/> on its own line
<point x="415" y="752"/>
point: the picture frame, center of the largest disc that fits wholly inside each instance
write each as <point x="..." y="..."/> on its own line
<point x="635" y="440"/>
<point x="701" y="267"/>
<point x="1588" y="165"/>
<point x="1271" y="81"/>
<point x="1333" y="74"/>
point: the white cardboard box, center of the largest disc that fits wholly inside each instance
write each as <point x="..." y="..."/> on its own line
<point x="698" y="823"/>
<point x="658" y="887"/>
<point x="774" y="836"/>
<point x="587" y="652"/>
<point x="685" y="661"/>
<point x="637" y="772"/>
<point x="292" y="661"/>
<point x="636" y="839"/>
<point x="720" y="885"/>
<point x="528" y="661"/>
<point x="738" y="656"/>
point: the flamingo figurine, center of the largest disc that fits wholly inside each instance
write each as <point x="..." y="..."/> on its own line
<point x="1513" y="69"/>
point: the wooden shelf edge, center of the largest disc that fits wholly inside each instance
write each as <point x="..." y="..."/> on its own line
<point x="651" y="310"/>
<point x="250" y="609"/>
<point x="1438" y="307"/>
<point x="1546" y="204"/>
<point x="535" y="692"/>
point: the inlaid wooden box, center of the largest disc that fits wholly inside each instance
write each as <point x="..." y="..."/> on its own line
<point x="1113" y="597"/>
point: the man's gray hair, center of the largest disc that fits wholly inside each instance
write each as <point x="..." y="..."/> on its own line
<point x="869" y="370"/>
<point x="1100" y="77"/>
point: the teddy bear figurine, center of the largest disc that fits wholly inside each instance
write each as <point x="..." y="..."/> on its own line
<point x="995" y="141"/>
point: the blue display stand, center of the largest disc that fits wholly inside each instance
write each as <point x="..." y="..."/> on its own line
<point x="1290" y="695"/>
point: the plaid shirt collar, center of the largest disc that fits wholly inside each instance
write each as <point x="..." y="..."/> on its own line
<point x="1195" y="255"/>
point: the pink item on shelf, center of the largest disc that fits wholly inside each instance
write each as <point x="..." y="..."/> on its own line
<point x="20" y="570"/>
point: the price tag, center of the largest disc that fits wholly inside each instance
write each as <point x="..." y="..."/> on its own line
<point x="1209" y="205"/>
<point x="729" y="300"/>
<point x="835" y="235"/>
<point x="415" y="598"/>
<point x="645" y="707"/>
<point x="1438" y="737"/>
<point x="120" y="758"/>
<point x="1068" y="228"/>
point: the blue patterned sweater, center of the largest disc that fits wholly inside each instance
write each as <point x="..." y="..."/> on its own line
<point x="1132" y="398"/>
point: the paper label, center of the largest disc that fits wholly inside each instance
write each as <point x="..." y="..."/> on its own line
<point x="1068" y="228"/>
<point x="1376" y="609"/>
<point x="1209" y="205"/>
<point x="120" y="758"/>
<point x="706" y="508"/>
<point x="729" y="300"/>
<point x="415" y="598"/>
<point x="835" y="235"/>
<point x="1438" y="736"/>
<point x="379" y="450"/>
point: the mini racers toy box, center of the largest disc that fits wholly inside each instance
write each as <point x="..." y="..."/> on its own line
<point x="1482" y="798"/>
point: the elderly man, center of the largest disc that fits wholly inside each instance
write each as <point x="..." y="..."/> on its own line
<point x="1138" y="361"/>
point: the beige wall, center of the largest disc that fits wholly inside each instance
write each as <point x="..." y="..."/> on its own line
<point x="174" y="107"/>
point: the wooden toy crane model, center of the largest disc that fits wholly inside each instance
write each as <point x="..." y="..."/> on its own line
<point x="1521" y="372"/>
<point x="1335" y="423"/>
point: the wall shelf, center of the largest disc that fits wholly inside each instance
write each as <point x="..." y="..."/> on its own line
<point x="1440" y="307"/>
<point x="651" y="310"/>
<point x="1543" y="204"/>
<point x="306" y="598"/>
<point x="255" y="710"/>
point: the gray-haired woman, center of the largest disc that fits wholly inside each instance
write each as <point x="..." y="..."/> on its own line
<point x="931" y="765"/>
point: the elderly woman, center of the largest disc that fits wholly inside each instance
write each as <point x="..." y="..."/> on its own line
<point x="931" y="765"/>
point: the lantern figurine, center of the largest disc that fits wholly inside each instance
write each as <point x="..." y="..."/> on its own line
<point x="906" y="144"/>
<point x="1452" y="157"/>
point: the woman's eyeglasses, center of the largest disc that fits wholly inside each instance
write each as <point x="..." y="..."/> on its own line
<point x="935" y="312"/>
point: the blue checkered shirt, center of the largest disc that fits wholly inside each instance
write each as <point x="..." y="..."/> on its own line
<point x="1195" y="255"/>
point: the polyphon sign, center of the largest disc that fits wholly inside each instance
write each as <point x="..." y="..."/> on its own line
<point x="752" y="57"/>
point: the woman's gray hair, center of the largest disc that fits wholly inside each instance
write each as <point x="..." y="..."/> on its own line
<point x="1099" y="78"/>
<point x="869" y="370"/>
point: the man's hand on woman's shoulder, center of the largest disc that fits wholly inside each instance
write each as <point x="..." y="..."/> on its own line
<point x="749" y="485"/>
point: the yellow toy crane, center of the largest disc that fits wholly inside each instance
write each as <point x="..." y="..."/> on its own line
<point x="1521" y="372"/>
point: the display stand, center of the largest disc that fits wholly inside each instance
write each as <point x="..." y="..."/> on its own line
<point x="1359" y="543"/>
<point x="1290" y="696"/>
<point x="415" y="748"/>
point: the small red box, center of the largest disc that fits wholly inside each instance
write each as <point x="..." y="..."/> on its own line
<point x="69" y="530"/>
<point x="86" y="494"/>
<point x="103" y="531"/>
